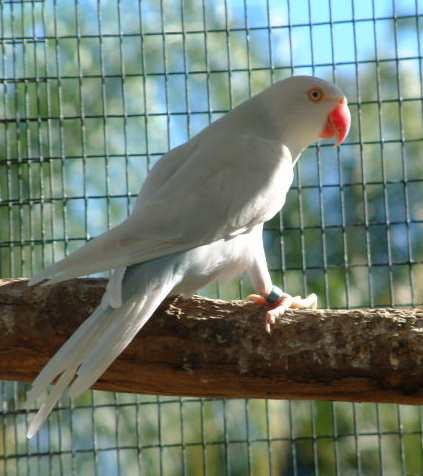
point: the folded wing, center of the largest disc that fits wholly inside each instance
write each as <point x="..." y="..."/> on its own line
<point x="213" y="187"/>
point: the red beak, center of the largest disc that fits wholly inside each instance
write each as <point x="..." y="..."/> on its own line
<point x="338" y="123"/>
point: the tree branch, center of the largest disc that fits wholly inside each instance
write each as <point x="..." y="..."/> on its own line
<point x="215" y="348"/>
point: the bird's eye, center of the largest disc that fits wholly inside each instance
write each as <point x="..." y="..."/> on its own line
<point x="315" y="94"/>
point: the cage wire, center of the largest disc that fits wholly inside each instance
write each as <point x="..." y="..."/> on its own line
<point x="95" y="92"/>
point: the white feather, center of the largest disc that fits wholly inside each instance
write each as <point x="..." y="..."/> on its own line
<point x="99" y="340"/>
<point x="116" y="338"/>
<point x="172" y="220"/>
<point x="49" y="401"/>
<point x="113" y="295"/>
<point x="69" y="354"/>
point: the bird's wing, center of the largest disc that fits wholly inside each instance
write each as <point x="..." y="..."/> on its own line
<point x="222" y="187"/>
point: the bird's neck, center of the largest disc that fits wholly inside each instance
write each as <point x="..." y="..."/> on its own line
<point x="255" y="118"/>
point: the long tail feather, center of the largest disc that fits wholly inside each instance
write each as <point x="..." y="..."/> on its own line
<point x="67" y="354"/>
<point x="50" y="401"/>
<point x="106" y="351"/>
<point x="102" y="337"/>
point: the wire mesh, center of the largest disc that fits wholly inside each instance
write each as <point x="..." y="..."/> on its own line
<point x="94" y="92"/>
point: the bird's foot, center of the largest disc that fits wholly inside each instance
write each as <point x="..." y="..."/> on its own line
<point x="284" y="302"/>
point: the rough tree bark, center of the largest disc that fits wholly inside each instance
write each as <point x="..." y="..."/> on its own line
<point x="214" y="348"/>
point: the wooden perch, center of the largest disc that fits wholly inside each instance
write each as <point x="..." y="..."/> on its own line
<point x="214" y="348"/>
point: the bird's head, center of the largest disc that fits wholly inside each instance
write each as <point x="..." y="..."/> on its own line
<point x="305" y="109"/>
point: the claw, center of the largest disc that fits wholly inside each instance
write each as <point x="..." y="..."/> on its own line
<point x="310" y="302"/>
<point x="257" y="298"/>
<point x="285" y="302"/>
<point x="269" y="320"/>
<point x="279" y="308"/>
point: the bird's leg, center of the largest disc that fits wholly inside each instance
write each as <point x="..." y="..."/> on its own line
<point x="278" y="302"/>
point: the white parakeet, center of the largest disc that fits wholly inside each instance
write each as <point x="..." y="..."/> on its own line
<point x="199" y="217"/>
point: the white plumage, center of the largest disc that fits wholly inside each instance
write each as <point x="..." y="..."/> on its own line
<point x="198" y="217"/>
